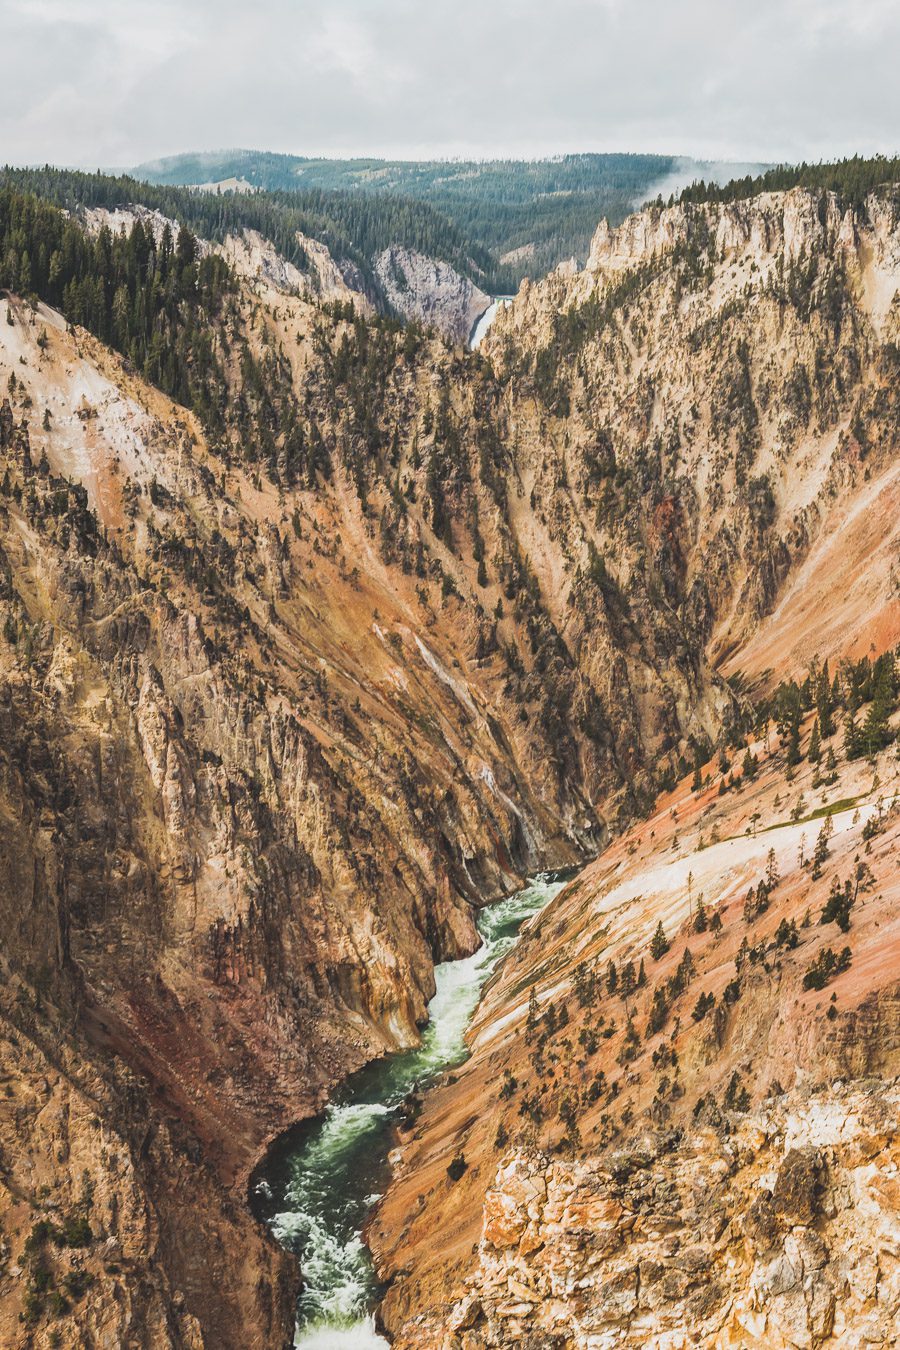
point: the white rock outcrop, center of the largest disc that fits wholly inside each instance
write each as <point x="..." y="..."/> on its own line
<point x="423" y="288"/>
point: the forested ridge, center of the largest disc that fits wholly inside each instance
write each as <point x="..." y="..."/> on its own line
<point x="152" y="301"/>
<point x="169" y="308"/>
<point x="552" y="205"/>
<point x="354" y="227"/>
<point x="852" y="179"/>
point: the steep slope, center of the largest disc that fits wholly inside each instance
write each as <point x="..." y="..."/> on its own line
<point x="221" y="894"/>
<point x="671" y="1149"/>
<point x="297" y="679"/>
<point x="332" y="245"/>
<point x="635" y="1090"/>
<point x="431" y="292"/>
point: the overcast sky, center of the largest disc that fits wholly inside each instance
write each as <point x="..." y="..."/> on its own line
<point x="114" y="82"/>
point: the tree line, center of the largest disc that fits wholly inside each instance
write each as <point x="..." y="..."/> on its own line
<point x="852" y="179"/>
<point x="553" y="204"/>
<point x="355" y="227"/>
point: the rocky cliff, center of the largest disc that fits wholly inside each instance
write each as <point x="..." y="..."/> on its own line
<point x="781" y="1234"/>
<point x="288" y="691"/>
<point x="692" y="1054"/>
<point x="431" y="292"/>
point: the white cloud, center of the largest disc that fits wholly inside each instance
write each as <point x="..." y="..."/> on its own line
<point x="103" y="81"/>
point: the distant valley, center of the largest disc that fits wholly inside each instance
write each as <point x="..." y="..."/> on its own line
<point x="528" y="215"/>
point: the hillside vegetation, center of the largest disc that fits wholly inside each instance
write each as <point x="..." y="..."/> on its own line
<point x="850" y="179"/>
<point x="353" y="227"/>
<point x="547" y="208"/>
<point x="314" y="643"/>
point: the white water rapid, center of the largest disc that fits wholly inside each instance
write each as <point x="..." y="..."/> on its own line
<point x="319" y="1187"/>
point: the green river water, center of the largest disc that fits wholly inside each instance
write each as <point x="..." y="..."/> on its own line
<point x="322" y="1180"/>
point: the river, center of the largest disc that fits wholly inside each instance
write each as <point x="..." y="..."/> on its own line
<point x="321" y="1182"/>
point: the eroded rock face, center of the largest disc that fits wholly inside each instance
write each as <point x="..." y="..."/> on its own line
<point x="430" y="291"/>
<point x="781" y="1234"/>
<point x="275" y="716"/>
<point x="113" y="1223"/>
<point x="323" y="278"/>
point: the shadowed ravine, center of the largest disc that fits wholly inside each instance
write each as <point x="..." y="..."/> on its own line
<point x="318" y="1186"/>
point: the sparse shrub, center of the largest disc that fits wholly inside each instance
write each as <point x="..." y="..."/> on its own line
<point x="838" y="905"/>
<point x="659" y="1011"/>
<point x="736" y="1098"/>
<point x="508" y="1086"/>
<point x="786" y="934"/>
<point x="457" y="1167"/>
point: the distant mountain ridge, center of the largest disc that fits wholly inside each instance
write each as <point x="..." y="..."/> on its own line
<point x="548" y="208"/>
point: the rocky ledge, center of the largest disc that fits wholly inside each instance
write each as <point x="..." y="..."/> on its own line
<point x="782" y="1233"/>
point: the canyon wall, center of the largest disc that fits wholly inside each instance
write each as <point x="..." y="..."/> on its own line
<point x="431" y="292"/>
<point x="280" y="709"/>
<point x="678" y="1124"/>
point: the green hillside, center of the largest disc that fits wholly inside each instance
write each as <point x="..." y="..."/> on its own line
<point x="550" y="208"/>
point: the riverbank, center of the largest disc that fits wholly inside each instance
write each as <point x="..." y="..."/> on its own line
<point x="320" y="1184"/>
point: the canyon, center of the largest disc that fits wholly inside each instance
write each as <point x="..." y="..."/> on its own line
<point x="291" y="690"/>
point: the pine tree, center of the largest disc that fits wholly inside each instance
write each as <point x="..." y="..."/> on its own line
<point x="876" y="733"/>
<point x="838" y="905"/>
<point x="659" y="1011"/>
<point x="772" y="875"/>
<point x="627" y="982"/>
<point x="814" y="754"/>
<point x="532" y="1019"/>
<point x="853" y="746"/>
<point x="793" y="750"/>
<point x="825" y="704"/>
<point x="821" y="851"/>
<point x="584" y="984"/>
<point x="659" y="943"/>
